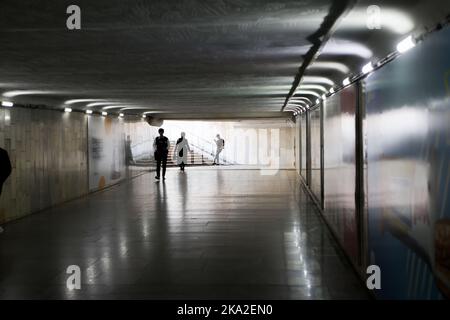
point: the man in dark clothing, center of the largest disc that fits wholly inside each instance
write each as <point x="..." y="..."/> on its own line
<point x="161" y="147"/>
<point x="5" y="170"/>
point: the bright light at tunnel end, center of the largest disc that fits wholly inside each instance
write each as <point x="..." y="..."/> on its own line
<point x="88" y="111"/>
<point x="67" y="109"/>
<point x="406" y="44"/>
<point x="104" y="113"/>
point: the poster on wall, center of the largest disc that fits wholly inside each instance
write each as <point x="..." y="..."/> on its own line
<point x="139" y="147"/>
<point x="408" y="159"/>
<point x="340" y="168"/>
<point x="106" y="152"/>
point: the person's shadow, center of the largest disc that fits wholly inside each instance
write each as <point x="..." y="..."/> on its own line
<point x="183" y="191"/>
<point x="161" y="227"/>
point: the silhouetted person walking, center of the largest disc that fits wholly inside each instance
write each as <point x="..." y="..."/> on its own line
<point x="128" y="152"/>
<point x="5" y="170"/>
<point x="220" y="144"/>
<point x="161" y="146"/>
<point x="181" y="151"/>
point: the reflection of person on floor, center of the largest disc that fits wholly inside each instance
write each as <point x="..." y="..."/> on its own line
<point x="181" y="151"/>
<point x="128" y="153"/>
<point x="5" y="170"/>
<point x="220" y="144"/>
<point x="161" y="146"/>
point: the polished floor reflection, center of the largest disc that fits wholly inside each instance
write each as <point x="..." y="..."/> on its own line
<point x="202" y="234"/>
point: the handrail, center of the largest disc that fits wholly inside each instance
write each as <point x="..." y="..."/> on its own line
<point x="213" y="145"/>
<point x="209" y="153"/>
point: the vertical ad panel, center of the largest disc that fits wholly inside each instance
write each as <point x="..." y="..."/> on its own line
<point x="297" y="144"/>
<point x="139" y="147"/>
<point x="340" y="168"/>
<point x="303" y="154"/>
<point x="408" y="152"/>
<point x="316" y="186"/>
<point x="106" y="152"/>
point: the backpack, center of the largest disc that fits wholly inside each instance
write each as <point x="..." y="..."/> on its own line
<point x="162" y="144"/>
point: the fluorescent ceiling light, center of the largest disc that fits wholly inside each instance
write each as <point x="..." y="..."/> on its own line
<point x="81" y="100"/>
<point x="95" y="104"/>
<point x="331" y="90"/>
<point x="67" y="109"/>
<point x="296" y="106"/>
<point x="104" y="113"/>
<point x="329" y="65"/>
<point x="312" y="87"/>
<point x="121" y="114"/>
<point x="406" y="44"/>
<point x="16" y="93"/>
<point x="308" y="92"/>
<point x="367" y="68"/>
<point x="88" y="111"/>
<point x="317" y="79"/>
<point x="7" y="104"/>
<point x="300" y="99"/>
<point x="113" y="107"/>
<point x="346" y="82"/>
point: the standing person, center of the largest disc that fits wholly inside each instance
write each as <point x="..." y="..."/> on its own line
<point x="5" y="170"/>
<point x="161" y="146"/>
<point x="220" y="144"/>
<point x="128" y="152"/>
<point x="181" y="151"/>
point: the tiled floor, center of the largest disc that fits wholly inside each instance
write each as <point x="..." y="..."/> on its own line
<point x="202" y="234"/>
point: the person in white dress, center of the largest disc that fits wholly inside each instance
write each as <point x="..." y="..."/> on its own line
<point x="181" y="151"/>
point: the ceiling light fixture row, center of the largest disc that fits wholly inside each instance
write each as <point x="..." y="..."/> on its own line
<point x="9" y="104"/>
<point x="91" y="112"/>
<point x="403" y="46"/>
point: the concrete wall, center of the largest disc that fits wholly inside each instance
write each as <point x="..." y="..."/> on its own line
<point x="49" y="153"/>
<point x="48" y="156"/>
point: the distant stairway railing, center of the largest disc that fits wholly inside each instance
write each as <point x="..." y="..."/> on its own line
<point x="204" y="146"/>
<point x="143" y="155"/>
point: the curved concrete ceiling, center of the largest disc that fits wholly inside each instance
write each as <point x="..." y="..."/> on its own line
<point x="359" y="38"/>
<point x="189" y="58"/>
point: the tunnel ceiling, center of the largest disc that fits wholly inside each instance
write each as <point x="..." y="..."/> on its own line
<point x="191" y="58"/>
